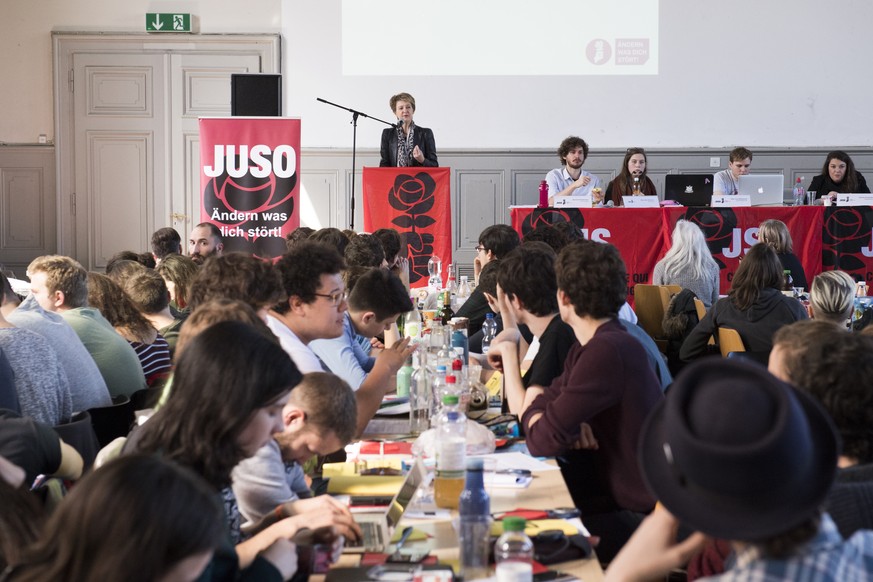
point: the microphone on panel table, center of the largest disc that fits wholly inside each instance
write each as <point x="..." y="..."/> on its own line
<point x="609" y="204"/>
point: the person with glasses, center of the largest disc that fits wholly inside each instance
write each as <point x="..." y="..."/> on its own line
<point x="316" y="310"/>
<point x="632" y="179"/>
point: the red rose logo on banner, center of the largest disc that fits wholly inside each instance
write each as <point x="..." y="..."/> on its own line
<point x="418" y="206"/>
<point x="847" y="240"/>
<point x="249" y="181"/>
<point x="549" y="217"/>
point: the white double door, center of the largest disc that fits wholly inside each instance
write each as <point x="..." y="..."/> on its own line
<point x="128" y="138"/>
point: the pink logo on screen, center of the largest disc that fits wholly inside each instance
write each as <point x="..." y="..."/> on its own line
<point x="598" y="51"/>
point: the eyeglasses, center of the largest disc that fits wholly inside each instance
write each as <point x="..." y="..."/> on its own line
<point x="480" y="248"/>
<point x="335" y="298"/>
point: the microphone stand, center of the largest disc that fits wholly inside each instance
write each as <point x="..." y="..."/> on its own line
<point x="355" y="115"/>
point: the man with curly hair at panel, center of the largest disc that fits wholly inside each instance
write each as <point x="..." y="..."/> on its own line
<point x="608" y="384"/>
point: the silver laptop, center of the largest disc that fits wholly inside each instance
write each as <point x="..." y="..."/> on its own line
<point x="378" y="527"/>
<point x="763" y="189"/>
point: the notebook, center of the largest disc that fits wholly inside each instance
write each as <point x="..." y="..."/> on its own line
<point x="378" y="527"/>
<point x="688" y="189"/>
<point x="763" y="189"/>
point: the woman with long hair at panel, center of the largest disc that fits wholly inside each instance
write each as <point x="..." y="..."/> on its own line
<point x="838" y="176"/>
<point x="775" y="233"/>
<point x="632" y="176"/>
<point x="407" y="144"/>
<point x="689" y="264"/>
<point x="755" y="307"/>
<point x="137" y="518"/>
<point x="229" y="387"/>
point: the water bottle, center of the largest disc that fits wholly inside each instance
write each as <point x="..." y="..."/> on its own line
<point x="474" y="508"/>
<point x="544" y="195"/>
<point x="451" y="453"/>
<point x="412" y="325"/>
<point x="636" y="187"/>
<point x="463" y="293"/>
<point x="513" y="552"/>
<point x="404" y="378"/>
<point x="434" y="270"/>
<point x="419" y="396"/>
<point x="489" y="331"/>
<point x="799" y="192"/>
<point x="438" y="390"/>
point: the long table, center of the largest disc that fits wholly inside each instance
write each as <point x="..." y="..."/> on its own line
<point x="824" y="237"/>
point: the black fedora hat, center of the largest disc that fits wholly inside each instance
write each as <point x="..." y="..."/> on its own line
<point x="736" y="453"/>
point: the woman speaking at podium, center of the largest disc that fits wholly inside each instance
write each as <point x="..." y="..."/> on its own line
<point x="407" y="144"/>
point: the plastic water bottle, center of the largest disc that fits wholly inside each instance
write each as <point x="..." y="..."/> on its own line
<point x="451" y="453"/>
<point x="489" y="332"/>
<point x="799" y="192"/>
<point x="513" y="552"/>
<point x="544" y="194"/>
<point x="412" y="325"/>
<point x="438" y="390"/>
<point x="636" y="187"/>
<point x="419" y="396"/>
<point x="434" y="270"/>
<point x="404" y="378"/>
<point x="475" y="523"/>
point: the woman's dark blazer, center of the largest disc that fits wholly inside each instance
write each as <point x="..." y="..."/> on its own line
<point x="423" y="138"/>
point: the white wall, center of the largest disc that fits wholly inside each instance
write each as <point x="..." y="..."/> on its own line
<point x="779" y="73"/>
<point x="25" y="45"/>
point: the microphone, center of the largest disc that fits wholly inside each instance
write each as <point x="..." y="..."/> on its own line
<point x="399" y="123"/>
<point x="609" y="204"/>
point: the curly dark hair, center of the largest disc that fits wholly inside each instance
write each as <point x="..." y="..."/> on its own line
<point x="223" y="376"/>
<point x="364" y="250"/>
<point x="836" y="367"/>
<point x="594" y="277"/>
<point x="760" y="269"/>
<point x="300" y="233"/>
<point x="165" y="241"/>
<point x="528" y="273"/>
<point x="569" y="144"/>
<point x="380" y="291"/>
<point x="144" y="259"/>
<point x="301" y="268"/>
<point x="553" y="237"/>
<point x="391" y="243"/>
<point x="236" y="276"/>
<point x="332" y="237"/>
<point x="500" y="239"/>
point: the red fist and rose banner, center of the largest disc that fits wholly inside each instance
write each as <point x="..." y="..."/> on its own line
<point x="250" y="185"/>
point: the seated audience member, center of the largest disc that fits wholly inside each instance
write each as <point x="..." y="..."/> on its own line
<point x="230" y="386"/>
<point x="150" y="296"/>
<point x="150" y="346"/>
<point x="319" y="419"/>
<point x="570" y="179"/>
<point x="728" y="181"/>
<point x="494" y="243"/>
<point x="21" y="515"/>
<point x="607" y="383"/>
<point x="632" y="176"/>
<point x="8" y="395"/>
<point x="838" y="176"/>
<point x="570" y="230"/>
<point x="832" y="297"/>
<point x="60" y="284"/>
<point x="755" y="306"/>
<point x="37" y="449"/>
<point x="392" y="245"/>
<point x="300" y="233"/>
<point x="178" y="273"/>
<point x="205" y="241"/>
<point x="87" y="386"/>
<point x="364" y="250"/>
<point x="315" y="309"/>
<point x="375" y="303"/>
<point x="144" y="259"/>
<point x="555" y="238"/>
<point x="689" y="264"/>
<point x="237" y="276"/>
<point x="165" y="241"/>
<point x="775" y="233"/>
<point x="735" y="453"/>
<point x="217" y="310"/>
<point x="137" y="518"/>
<point x="332" y="237"/>
<point x="41" y="384"/>
<point x="123" y="270"/>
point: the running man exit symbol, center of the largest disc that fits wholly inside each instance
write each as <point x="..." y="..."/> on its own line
<point x="167" y="22"/>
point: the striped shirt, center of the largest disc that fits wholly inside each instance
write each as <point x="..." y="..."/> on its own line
<point x="154" y="358"/>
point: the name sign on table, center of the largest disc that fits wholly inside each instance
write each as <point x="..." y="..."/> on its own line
<point x="573" y="201"/>
<point x="640" y="202"/>
<point x="854" y="199"/>
<point x="723" y="201"/>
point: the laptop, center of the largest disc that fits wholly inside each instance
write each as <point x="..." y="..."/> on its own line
<point x="688" y="189"/>
<point x="763" y="189"/>
<point x="378" y="527"/>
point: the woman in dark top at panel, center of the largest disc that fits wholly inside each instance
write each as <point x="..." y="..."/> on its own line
<point x="838" y="176"/>
<point x="407" y="144"/>
<point x="634" y="166"/>
<point x="775" y="233"/>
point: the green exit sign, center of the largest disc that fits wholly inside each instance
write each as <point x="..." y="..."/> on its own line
<point x="167" y="22"/>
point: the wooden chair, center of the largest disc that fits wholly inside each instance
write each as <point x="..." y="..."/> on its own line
<point x="729" y="340"/>
<point x="701" y="308"/>
<point x="650" y="303"/>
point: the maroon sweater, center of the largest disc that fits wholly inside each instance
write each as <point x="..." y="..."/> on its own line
<point x="609" y="384"/>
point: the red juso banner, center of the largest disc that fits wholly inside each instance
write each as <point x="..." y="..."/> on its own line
<point x="249" y="178"/>
<point x="417" y="203"/>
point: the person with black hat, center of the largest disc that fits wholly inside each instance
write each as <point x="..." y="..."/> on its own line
<point x="735" y="453"/>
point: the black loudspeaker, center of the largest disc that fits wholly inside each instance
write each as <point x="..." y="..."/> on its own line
<point x="256" y="95"/>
